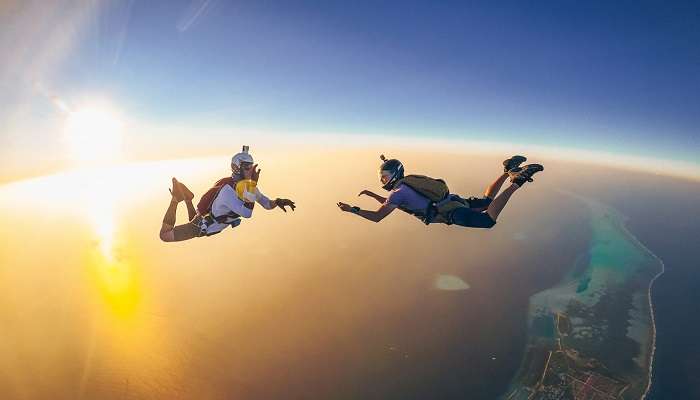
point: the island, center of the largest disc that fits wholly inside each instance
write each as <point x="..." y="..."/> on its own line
<point x="592" y="336"/>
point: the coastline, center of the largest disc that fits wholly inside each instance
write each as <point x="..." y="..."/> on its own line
<point x="652" y="347"/>
<point x="651" y="310"/>
<point x="618" y="259"/>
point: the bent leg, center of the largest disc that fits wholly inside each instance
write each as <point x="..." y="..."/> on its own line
<point x="169" y="221"/>
<point x="179" y="233"/>
<point x="182" y="232"/>
<point x="500" y="201"/>
<point x="188" y="197"/>
<point x="492" y="190"/>
<point x="467" y="217"/>
<point x="171" y="233"/>
<point x="186" y="231"/>
<point x="191" y="211"/>
<point x="479" y="203"/>
<point x="168" y="231"/>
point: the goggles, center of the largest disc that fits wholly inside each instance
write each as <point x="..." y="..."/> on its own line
<point x="246" y="165"/>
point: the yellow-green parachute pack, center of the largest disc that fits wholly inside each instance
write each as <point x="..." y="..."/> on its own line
<point x="435" y="190"/>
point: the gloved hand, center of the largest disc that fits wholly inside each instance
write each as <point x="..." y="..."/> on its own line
<point x="281" y="203"/>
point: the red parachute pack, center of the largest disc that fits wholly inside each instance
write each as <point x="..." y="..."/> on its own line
<point x="205" y="203"/>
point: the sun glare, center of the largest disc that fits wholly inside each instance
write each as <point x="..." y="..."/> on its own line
<point x="94" y="134"/>
<point x="113" y="275"/>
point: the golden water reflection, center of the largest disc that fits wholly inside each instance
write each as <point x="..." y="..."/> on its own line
<point x="111" y="274"/>
<point x="117" y="285"/>
<point x="285" y="305"/>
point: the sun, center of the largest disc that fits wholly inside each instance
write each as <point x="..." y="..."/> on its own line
<point x="94" y="134"/>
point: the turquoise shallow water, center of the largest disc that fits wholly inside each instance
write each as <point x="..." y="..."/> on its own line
<point x="606" y="295"/>
<point x="614" y="255"/>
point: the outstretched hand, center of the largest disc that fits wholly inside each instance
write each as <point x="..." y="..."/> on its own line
<point x="281" y="203"/>
<point x="366" y="193"/>
<point x="344" y="207"/>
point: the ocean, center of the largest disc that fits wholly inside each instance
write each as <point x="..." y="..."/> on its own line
<point x="665" y="216"/>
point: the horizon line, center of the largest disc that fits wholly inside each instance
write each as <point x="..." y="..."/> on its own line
<point x="661" y="166"/>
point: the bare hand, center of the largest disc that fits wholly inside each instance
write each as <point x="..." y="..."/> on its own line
<point x="256" y="173"/>
<point x="344" y="207"/>
<point x="281" y="203"/>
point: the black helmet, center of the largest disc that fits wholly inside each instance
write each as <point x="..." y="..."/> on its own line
<point x="392" y="170"/>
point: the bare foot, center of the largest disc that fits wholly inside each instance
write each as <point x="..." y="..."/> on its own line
<point x="178" y="196"/>
<point x="186" y="193"/>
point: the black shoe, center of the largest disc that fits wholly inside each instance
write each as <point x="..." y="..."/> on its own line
<point x="513" y="162"/>
<point x="520" y="175"/>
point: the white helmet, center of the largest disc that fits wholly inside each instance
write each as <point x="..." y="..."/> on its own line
<point x="243" y="156"/>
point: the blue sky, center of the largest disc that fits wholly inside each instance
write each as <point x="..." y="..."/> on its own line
<point x="611" y="76"/>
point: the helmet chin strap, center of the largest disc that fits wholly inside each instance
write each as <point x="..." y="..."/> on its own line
<point x="389" y="185"/>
